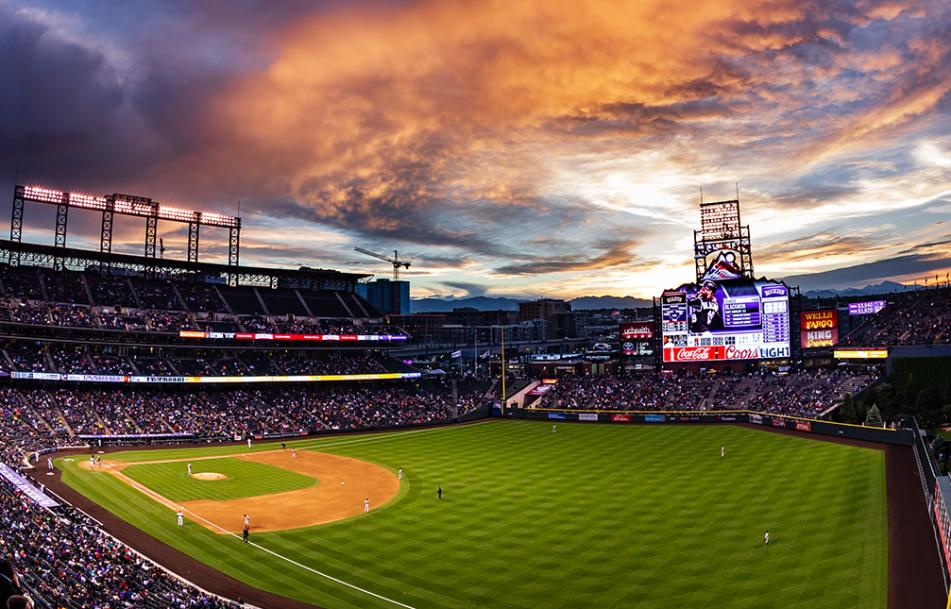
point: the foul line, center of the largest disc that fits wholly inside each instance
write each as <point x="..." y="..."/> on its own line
<point x="162" y="500"/>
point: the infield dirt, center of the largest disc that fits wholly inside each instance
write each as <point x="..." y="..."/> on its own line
<point x="345" y="483"/>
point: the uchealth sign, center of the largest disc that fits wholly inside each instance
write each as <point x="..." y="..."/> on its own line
<point x="720" y="352"/>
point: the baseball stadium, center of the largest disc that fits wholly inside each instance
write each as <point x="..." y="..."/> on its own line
<point x="239" y="391"/>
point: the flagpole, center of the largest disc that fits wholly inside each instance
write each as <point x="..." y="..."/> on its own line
<point x="502" y="330"/>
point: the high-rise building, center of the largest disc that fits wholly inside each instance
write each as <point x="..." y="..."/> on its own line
<point x="389" y="297"/>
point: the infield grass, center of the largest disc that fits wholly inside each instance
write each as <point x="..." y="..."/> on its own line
<point x="242" y="479"/>
<point x="591" y="516"/>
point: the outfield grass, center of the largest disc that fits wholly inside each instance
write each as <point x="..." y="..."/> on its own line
<point x="594" y="515"/>
<point x="244" y="479"/>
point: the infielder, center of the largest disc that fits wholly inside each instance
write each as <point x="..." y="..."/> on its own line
<point x="366" y="505"/>
<point x="189" y="470"/>
<point x="49" y="464"/>
<point x="92" y="461"/>
<point x="293" y="453"/>
<point x="249" y="441"/>
<point x="399" y="474"/>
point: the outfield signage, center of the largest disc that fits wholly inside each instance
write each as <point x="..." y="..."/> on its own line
<point x="654" y="418"/>
<point x="295" y="337"/>
<point x="876" y="353"/>
<point x="24" y="486"/>
<point x="870" y="307"/>
<point x="558" y="416"/>
<point x="298" y="378"/>
<point x="587" y="416"/>
<point x="621" y="418"/>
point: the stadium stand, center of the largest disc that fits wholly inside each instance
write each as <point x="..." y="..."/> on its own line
<point x="920" y="317"/>
<point x="802" y="393"/>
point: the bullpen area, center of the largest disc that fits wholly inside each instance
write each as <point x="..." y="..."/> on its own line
<point x="629" y="516"/>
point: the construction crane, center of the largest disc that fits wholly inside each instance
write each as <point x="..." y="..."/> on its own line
<point x="395" y="261"/>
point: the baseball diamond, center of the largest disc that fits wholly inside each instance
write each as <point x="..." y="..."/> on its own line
<point x="649" y="517"/>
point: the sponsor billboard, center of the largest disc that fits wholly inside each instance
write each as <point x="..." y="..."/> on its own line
<point x="636" y="338"/>
<point x="587" y="416"/>
<point x="621" y="418"/>
<point x="779" y="423"/>
<point x="819" y="328"/>
<point x="755" y="418"/>
<point x="558" y="416"/>
<point x="803" y="426"/>
<point x="655" y="418"/>
<point x="299" y="378"/>
<point x="870" y="307"/>
<point x="876" y="353"/>
<point x="736" y="319"/>
<point x="292" y="337"/>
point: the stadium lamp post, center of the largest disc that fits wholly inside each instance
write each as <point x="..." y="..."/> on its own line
<point x="502" y="331"/>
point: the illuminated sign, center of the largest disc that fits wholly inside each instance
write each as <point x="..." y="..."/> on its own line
<point x="276" y="336"/>
<point x="861" y="353"/>
<point x="299" y="378"/>
<point x="636" y="338"/>
<point x="720" y="221"/>
<point x="819" y="328"/>
<point x="870" y="307"/>
<point x="725" y="320"/>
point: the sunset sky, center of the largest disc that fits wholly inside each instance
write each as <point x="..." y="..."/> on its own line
<point x="510" y="148"/>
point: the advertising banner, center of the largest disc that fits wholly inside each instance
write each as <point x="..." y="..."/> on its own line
<point x="292" y="337"/>
<point x="654" y="418"/>
<point x="779" y="423"/>
<point x="621" y="418"/>
<point x="803" y="426"/>
<point x="876" y="353"/>
<point x="755" y="418"/>
<point x="727" y="418"/>
<point x="300" y="378"/>
<point x="24" y="486"/>
<point x="558" y="416"/>
<point x="587" y="416"/>
<point x="819" y="328"/>
<point x="870" y="307"/>
<point x="636" y="337"/>
<point x="736" y="319"/>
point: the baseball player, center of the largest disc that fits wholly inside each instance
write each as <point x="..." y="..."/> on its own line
<point x="438" y="492"/>
<point x="366" y="505"/>
<point x="189" y="470"/>
<point x="399" y="474"/>
<point x="181" y="517"/>
<point x="704" y="308"/>
<point x="766" y="537"/>
<point x="247" y="521"/>
<point x="249" y="441"/>
<point x="293" y="453"/>
<point x="722" y="451"/>
<point x="554" y="428"/>
<point x="92" y="462"/>
<point x="245" y="533"/>
<point x="49" y="464"/>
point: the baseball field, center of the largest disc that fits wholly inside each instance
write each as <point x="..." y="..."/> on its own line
<point x="605" y="515"/>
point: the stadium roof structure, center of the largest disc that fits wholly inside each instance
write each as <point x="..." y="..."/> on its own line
<point x="50" y="256"/>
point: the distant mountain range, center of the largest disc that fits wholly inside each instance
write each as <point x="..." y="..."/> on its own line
<point x="884" y="287"/>
<point x="500" y="303"/>
<point x="584" y="303"/>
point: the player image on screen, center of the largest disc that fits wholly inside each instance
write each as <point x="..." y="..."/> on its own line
<point x="704" y="309"/>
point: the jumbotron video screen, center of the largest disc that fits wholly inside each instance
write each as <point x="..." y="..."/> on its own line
<point x="735" y="319"/>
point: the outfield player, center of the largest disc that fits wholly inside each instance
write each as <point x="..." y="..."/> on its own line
<point x="399" y="474"/>
<point x="554" y="428"/>
<point x="722" y="451"/>
<point x="181" y="517"/>
<point x="366" y="505"/>
<point x="766" y="537"/>
<point x="438" y="492"/>
<point x="189" y="470"/>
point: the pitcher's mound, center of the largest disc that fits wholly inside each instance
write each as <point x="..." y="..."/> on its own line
<point x="209" y="476"/>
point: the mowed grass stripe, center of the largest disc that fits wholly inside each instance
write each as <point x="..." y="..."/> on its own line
<point x="617" y="516"/>
<point x="243" y="479"/>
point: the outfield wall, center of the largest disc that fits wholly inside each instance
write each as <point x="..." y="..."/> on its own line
<point x="902" y="437"/>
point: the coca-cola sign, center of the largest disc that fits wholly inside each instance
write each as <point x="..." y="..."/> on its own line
<point x="730" y="352"/>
